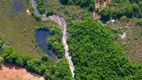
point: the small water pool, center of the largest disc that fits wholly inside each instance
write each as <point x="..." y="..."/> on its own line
<point x="41" y="40"/>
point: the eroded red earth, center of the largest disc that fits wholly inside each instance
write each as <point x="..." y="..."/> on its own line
<point x="11" y="72"/>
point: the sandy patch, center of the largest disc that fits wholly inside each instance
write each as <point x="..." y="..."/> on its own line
<point x="10" y="72"/>
<point x="96" y="16"/>
<point x="28" y="12"/>
<point x="53" y="18"/>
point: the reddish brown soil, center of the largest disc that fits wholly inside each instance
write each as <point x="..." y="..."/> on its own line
<point x="104" y="3"/>
<point x="10" y="72"/>
<point x="55" y="19"/>
<point x="99" y="4"/>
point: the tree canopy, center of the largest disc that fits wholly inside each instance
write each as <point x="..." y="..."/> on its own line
<point x="96" y="55"/>
<point x="120" y="8"/>
<point x="88" y="4"/>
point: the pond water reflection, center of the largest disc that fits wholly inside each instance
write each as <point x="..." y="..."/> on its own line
<point x="41" y="40"/>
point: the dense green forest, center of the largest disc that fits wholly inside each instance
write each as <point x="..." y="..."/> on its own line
<point x="88" y="4"/>
<point x="41" y="6"/>
<point x="96" y="55"/>
<point x="122" y="8"/>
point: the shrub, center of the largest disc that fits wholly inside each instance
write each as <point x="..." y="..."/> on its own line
<point x="41" y="6"/>
<point x="1" y="61"/>
<point x="1" y="43"/>
<point x="123" y="18"/>
<point x="139" y="23"/>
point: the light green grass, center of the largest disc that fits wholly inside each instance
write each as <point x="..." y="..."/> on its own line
<point x="18" y="31"/>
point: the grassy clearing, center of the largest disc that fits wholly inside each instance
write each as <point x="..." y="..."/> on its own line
<point x="18" y="31"/>
<point x="133" y="42"/>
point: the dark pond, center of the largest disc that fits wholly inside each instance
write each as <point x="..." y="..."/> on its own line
<point x="41" y="39"/>
<point x="18" y="7"/>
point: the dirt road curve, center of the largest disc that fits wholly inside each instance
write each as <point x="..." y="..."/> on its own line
<point x="61" y="21"/>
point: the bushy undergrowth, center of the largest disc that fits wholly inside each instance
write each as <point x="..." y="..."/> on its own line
<point x="43" y="67"/>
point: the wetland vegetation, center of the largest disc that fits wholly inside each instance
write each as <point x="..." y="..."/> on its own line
<point x="93" y="52"/>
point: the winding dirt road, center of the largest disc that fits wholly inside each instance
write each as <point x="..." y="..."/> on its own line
<point x="61" y="21"/>
<point x="64" y="41"/>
